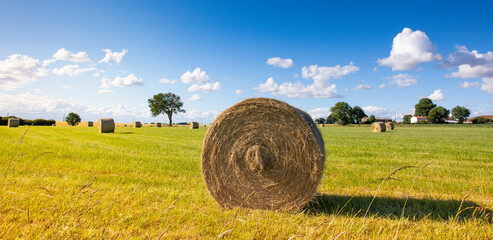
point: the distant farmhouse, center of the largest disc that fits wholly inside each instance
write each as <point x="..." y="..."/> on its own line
<point x="384" y="120"/>
<point x="417" y="119"/>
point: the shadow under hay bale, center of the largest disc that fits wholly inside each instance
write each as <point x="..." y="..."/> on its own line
<point x="378" y="127"/>
<point x="263" y="153"/>
<point x="106" y="125"/>
<point x="389" y="126"/>
<point x="13" y="122"/>
<point x="137" y="124"/>
<point x="194" y="125"/>
<point x="388" y="207"/>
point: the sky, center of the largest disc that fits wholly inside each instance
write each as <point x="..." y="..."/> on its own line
<point x="107" y="58"/>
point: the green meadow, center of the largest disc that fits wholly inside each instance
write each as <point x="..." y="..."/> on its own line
<point x="146" y="183"/>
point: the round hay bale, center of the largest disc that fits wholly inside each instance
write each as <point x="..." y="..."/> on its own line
<point x="157" y="124"/>
<point x="106" y="125"/>
<point x="137" y="124"/>
<point x="389" y="126"/>
<point x="194" y="125"/>
<point x="263" y="153"/>
<point x="13" y="122"/>
<point x="90" y="124"/>
<point x="378" y="127"/>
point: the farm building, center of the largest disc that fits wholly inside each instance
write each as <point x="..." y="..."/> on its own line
<point x="417" y="119"/>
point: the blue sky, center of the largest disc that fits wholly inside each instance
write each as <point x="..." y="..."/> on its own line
<point x="106" y="58"/>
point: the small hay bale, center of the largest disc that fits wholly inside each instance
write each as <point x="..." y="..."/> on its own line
<point x="13" y="122"/>
<point x="263" y="153"/>
<point x="106" y="125"/>
<point x="157" y="124"/>
<point x="194" y="125"/>
<point x="389" y="126"/>
<point x="137" y="124"/>
<point x="90" y="124"/>
<point x="378" y="127"/>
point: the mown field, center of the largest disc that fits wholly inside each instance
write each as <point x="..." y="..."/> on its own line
<point x="411" y="183"/>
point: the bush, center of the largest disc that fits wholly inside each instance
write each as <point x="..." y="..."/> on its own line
<point x="422" y="122"/>
<point x="36" y="122"/>
<point x="480" y="120"/>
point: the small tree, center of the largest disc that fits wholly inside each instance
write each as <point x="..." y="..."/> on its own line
<point x="371" y="119"/>
<point x="460" y="113"/>
<point x="437" y="114"/>
<point x="357" y="114"/>
<point x="342" y="112"/>
<point x="72" y="119"/>
<point x="330" y="119"/>
<point x="423" y="107"/>
<point x="407" y="119"/>
<point x="165" y="103"/>
<point x="320" y="120"/>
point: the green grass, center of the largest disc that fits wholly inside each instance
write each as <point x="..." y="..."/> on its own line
<point x="72" y="182"/>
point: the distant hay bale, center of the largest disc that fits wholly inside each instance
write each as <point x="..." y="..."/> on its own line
<point x="389" y="126"/>
<point x="263" y="153"/>
<point x="106" y="125"/>
<point x="90" y="124"/>
<point x="378" y="127"/>
<point x="194" y="125"/>
<point x="13" y="122"/>
<point x="137" y="124"/>
<point x="157" y="124"/>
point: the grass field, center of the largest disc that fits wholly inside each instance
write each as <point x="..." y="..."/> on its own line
<point x="145" y="183"/>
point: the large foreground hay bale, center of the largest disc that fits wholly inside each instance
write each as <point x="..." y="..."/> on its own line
<point x="106" y="125"/>
<point x="389" y="126"/>
<point x="13" y="122"/>
<point x="263" y="153"/>
<point x="137" y="124"/>
<point x="194" y="125"/>
<point x="378" y="127"/>
<point x="90" y="124"/>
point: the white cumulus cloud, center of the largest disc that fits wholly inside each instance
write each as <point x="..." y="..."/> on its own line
<point x="130" y="80"/>
<point x="105" y="91"/>
<point x="321" y="75"/>
<point x="115" y="56"/>
<point x="471" y="64"/>
<point x="71" y="70"/>
<point x="297" y="90"/>
<point x="319" y="112"/>
<point x="238" y="92"/>
<point x="198" y="115"/>
<point x="18" y="70"/>
<point x="165" y="80"/>
<point x="410" y="48"/>
<point x="403" y="80"/>
<point x="63" y="54"/>
<point x="200" y="81"/>
<point x="437" y="95"/>
<point x="467" y="84"/>
<point x="321" y="88"/>
<point x="194" y="98"/>
<point x="487" y="85"/>
<point x="279" y="62"/>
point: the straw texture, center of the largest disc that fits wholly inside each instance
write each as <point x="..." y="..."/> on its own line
<point x="13" y="122"/>
<point x="389" y="126"/>
<point x="194" y="125"/>
<point x="378" y="127"/>
<point x="263" y="153"/>
<point x="106" y="125"/>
